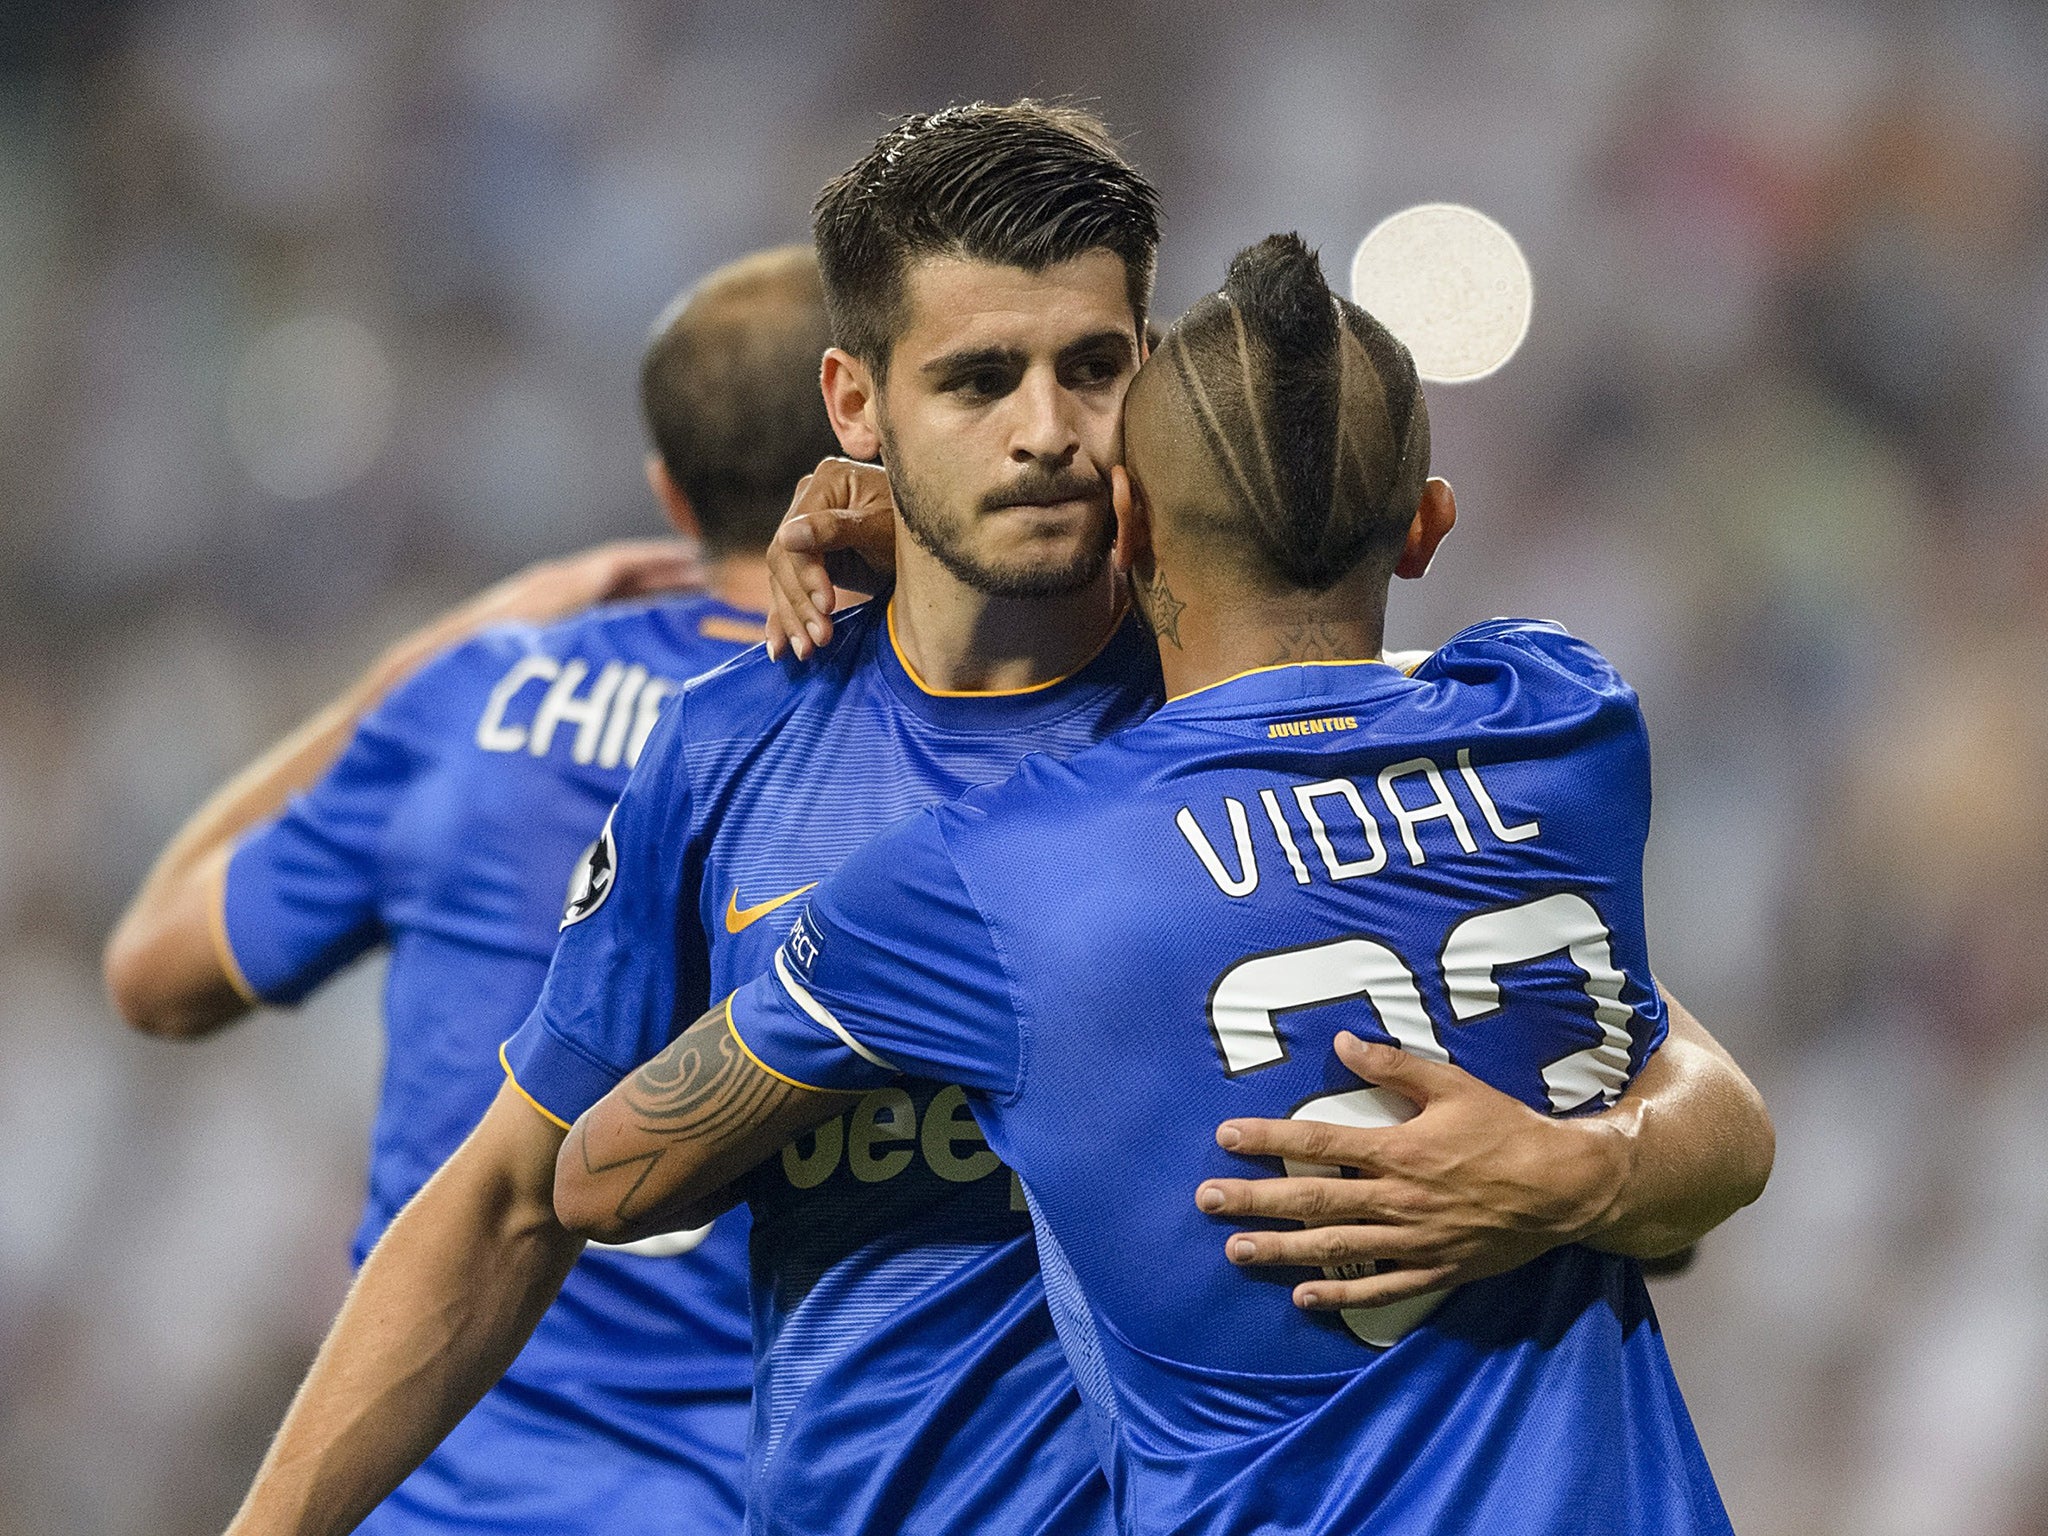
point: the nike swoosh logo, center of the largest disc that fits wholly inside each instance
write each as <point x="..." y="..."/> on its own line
<point x="737" y="916"/>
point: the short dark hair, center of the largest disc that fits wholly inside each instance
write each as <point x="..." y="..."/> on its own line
<point x="729" y="387"/>
<point x="1312" y="412"/>
<point x="1026" y="185"/>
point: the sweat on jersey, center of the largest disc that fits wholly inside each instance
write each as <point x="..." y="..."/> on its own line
<point x="1115" y="953"/>
<point x="907" y="1374"/>
<point x="448" y="830"/>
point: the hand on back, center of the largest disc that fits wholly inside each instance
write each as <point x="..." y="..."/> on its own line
<point x="1475" y="1184"/>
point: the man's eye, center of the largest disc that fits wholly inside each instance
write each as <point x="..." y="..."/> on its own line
<point x="1093" y="370"/>
<point x="984" y="385"/>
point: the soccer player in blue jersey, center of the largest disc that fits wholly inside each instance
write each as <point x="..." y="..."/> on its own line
<point x="987" y="269"/>
<point x="439" y="809"/>
<point x="1114" y="952"/>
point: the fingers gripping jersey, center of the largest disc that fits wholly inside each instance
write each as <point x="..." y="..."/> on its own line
<point x="1116" y="953"/>
<point x="448" y="830"/>
<point x="907" y="1378"/>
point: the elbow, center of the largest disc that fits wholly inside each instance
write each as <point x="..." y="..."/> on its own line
<point x="619" y="1201"/>
<point x="580" y="1214"/>
<point x="137" y="988"/>
<point x="125" y="971"/>
<point x="579" y="1198"/>
<point x="1763" y="1152"/>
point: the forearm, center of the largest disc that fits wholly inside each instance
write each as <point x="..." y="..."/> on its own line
<point x="296" y="762"/>
<point x="164" y="967"/>
<point x="1699" y="1145"/>
<point x="666" y="1145"/>
<point x="443" y="1305"/>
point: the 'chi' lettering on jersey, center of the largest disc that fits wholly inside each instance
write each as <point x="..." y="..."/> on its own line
<point x="907" y="1373"/>
<point x="1114" y="953"/>
<point x="448" y="830"/>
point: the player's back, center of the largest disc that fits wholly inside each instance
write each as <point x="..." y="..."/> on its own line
<point x="1184" y="917"/>
<point x="448" y="831"/>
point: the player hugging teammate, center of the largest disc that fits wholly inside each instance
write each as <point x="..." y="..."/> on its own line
<point x="968" y="1069"/>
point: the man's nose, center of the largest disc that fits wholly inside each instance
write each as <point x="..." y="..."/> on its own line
<point x="1048" y="426"/>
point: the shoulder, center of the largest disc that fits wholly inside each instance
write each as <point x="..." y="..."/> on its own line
<point x="1047" y="799"/>
<point x="664" y="634"/>
<point x="752" y="691"/>
<point x="1535" y="653"/>
<point x="444" y="694"/>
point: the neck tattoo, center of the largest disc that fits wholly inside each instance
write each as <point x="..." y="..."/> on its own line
<point x="1163" y="608"/>
<point x="1316" y="640"/>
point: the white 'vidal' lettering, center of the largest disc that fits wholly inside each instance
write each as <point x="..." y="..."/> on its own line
<point x="1336" y="844"/>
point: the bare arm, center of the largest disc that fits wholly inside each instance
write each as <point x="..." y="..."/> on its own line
<point x="167" y="966"/>
<point x="1478" y="1183"/>
<point x="442" y="1306"/>
<point x="650" y="1154"/>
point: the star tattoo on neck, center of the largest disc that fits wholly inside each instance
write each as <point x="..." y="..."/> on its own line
<point x="1163" y="608"/>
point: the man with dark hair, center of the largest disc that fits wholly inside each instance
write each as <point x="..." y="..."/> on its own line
<point x="438" y="808"/>
<point x="907" y="1375"/>
<point x="925" y="190"/>
<point x="908" y="1378"/>
<point x="1106" y="955"/>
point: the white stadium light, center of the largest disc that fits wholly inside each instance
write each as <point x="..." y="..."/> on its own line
<point x="1451" y="284"/>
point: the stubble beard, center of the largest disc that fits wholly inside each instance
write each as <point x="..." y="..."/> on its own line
<point x="942" y="540"/>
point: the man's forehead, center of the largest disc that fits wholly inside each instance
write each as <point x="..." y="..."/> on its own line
<point x="959" y="303"/>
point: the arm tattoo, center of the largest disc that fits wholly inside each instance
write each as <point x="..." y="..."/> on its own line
<point x="701" y="1093"/>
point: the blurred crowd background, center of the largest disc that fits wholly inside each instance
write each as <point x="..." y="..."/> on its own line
<point x="315" y="317"/>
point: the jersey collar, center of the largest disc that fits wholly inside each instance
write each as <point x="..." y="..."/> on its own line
<point x="1126" y="655"/>
<point x="1259" y="689"/>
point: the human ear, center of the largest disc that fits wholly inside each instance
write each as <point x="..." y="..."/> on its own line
<point x="851" y="401"/>
<point x="669" y="497"/>
<point x="1434" y="517"/>
<point x="1133" y="520"/>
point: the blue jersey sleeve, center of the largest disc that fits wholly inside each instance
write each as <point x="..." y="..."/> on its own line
<point x="303" y="889"/>
<point x="618" y="978"/>
<point x="1553" y="670"/>
<point x="892" y="968"/>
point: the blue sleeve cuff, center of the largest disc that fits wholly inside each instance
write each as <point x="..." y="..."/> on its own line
<point x="277" y="941"/>
<point x="784" y="1040"/>
<point x="552" y="1075"/>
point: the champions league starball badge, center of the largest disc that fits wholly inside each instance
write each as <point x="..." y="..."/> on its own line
<point x="596" y="872"/>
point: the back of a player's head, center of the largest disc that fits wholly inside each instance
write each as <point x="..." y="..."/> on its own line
<point x="1307" y="416"/>
<point x="1026" y="185"/>
<point x="729" y="386"/>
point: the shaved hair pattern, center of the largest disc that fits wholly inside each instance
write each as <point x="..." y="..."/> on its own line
<point x="1025" y="185"/>
<point x="729" y="387"/>
<point x="1312" y="414"/>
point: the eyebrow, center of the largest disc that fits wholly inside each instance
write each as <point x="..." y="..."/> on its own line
<point x="1015" y="357"/>
<point x="980" y="357"/>
<point x="1122" y="342"/>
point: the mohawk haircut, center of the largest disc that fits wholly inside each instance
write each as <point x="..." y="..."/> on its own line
<point x="729" y="387"/>
<point x="1025" y="185"/>
<point x="1312" y="413"/>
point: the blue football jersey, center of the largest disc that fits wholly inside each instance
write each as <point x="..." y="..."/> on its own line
<point x="907" y="1373"/>
<point x="1115" y="953"/>
<point x="448" y="830"/>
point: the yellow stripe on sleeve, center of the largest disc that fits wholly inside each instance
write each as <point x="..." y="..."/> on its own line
<point x="513" y="1078"/>
<point x="223" y="950"/>
<point x="757" y="1061"/>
